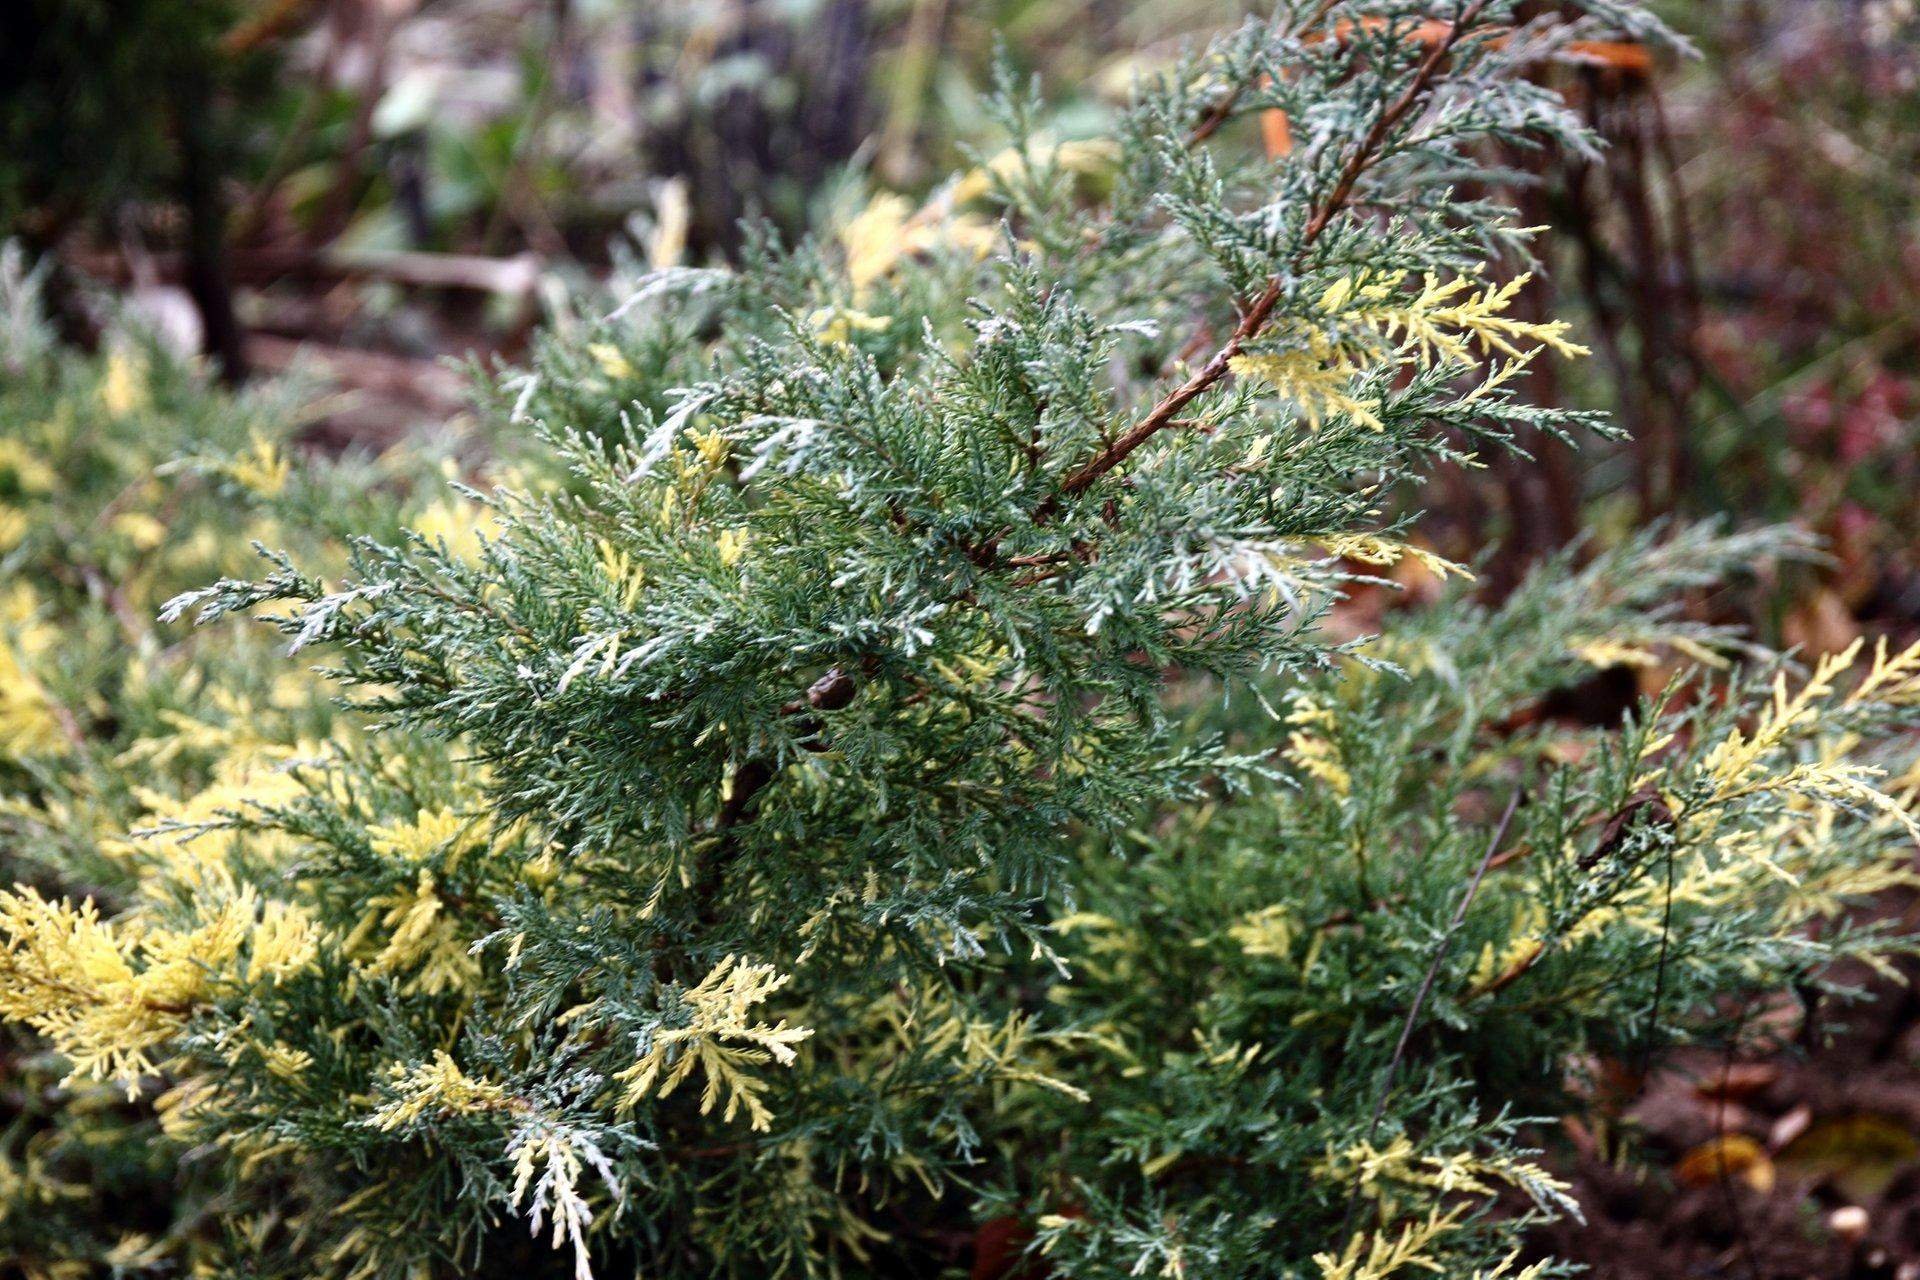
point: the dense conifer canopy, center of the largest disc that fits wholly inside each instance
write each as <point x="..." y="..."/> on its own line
<point x="869" y="762"/>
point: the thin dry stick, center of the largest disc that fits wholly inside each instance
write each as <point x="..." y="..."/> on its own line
<point x="1224" y="110"/>
<point x="1721" y="1172"/>
<point x="1426" y="983"/>
<point x="1255" y="317"/>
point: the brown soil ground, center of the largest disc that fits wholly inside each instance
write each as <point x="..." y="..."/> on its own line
<point x="1800" y="1164"/>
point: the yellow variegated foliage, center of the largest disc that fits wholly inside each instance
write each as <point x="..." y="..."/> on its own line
<point x="837" y="325"/>
<point x="1448" y="319"/>
<point x="263" y="468"/>
<point x="460" y="524"/>
<point x="409" y="932"/>
<point x="1269" y="931"/>
<point x="429" y="832"/>
<point x="1087" y="156"/>
<point x="731" y="544"/>
<point x="124" y="390"/>
<point x="1387" y="1173"/>
<point x="1748" y="762"/>
<point x="1002" y="1052"/>
<point x="1384" y="553"/>
<point x="29" y="718"/>
<point x="1318" y="378"/>
<point x="722" y="1040"/>
<point x="1378" y="1255"/>
<point x="889" y="230"/>
<point x="436" y="1087"/>
<point x="1310" y="747"/>
<point x="111" y="996"/>
<point x="1613" y="653"/>
<point x="1362" y="324"/>
<point x="611" y="361"/>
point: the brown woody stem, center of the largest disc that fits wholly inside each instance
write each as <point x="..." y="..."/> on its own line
<point x="1254" y="318"/>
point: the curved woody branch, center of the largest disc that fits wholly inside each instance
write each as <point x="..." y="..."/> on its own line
<point x="1256" y="313"/>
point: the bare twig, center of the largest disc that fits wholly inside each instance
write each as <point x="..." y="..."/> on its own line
<point x="512" y="277"/>
<point x="1426" y="983"/>
<point x="425" y="382"/>
<point x="1223" y="110"/>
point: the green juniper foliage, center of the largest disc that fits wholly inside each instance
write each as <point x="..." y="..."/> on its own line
<point x="875" y="789"/>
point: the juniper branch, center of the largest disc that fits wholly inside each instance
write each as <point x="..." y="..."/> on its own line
<point x="1255" y="315"/>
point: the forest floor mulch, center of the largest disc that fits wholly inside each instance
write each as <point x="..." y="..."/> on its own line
<point x="1802" y="1163"/>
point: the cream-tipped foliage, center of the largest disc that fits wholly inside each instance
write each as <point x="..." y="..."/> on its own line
<point x="549" y="1163"/>
<point x="125" y="478"/>
<point x="720" y="1038"/>
<point x="436" y="1088"/>
<point x="1363" y="326"/>
<point x="1383" y="1253"/>
<point x="111" y="997"/>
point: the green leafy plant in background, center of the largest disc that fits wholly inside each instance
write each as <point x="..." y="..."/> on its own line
<point x="879" y="793"/>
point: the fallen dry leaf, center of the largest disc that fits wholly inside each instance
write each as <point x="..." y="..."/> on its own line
<point x="1731" y="1155"/>
<point x="1740" y="1082"/>
<point x="1859" y="1153"/>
